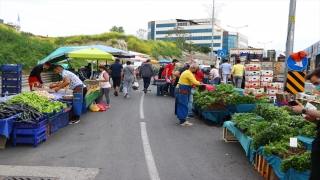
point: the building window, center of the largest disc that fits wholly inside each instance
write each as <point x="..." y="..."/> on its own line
<point x="183" y="24"/>
<point x="191" y="31"/>
<point x="243" y="40"/>
<point x="209" y="44"/>
<point x="166" y="25"/>
<point x="194" y="38"/>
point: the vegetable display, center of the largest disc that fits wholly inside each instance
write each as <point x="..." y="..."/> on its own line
<point x="45" y="94"/>
<point x="9" y="110"/>
<point x="300" y="162"/>
<point x="41" y="103"/>
<point x="237" y="99"/>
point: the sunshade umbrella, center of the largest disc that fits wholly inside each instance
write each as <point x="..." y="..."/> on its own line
<point x="59" y="54"/>
<point x="154" y="61"/>
<point x="90" y="53"/>
<point x="136" y="59"/>
<point x="164" y="61"/>
<point x="114" y="51"/>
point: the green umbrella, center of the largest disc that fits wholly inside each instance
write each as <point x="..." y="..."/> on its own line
<point x="90" y="53"/>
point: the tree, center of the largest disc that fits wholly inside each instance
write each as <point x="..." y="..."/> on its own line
<point x="117" y="29"/>
<point x="141" y="33"/>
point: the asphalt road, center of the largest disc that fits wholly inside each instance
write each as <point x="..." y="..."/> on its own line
<point x="114" y="143"/>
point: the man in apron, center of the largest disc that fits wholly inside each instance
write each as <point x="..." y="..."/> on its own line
<point x="79" y="91"/>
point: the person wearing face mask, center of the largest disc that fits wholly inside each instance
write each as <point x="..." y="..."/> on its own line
<point x="104" y="84"/>
<point x="79" y="91"/>
<point x="313" y="117"/>
<point x="186" y="81"/>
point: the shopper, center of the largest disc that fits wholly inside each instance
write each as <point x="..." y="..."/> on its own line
<point x="167" y="72"/>
<point x="311" y="116"/>
<point x="78" y="88"/>
<point x="146" y="72"/>
<point x="214" y="75"/>
<point x="237" y="73"/>
<point x="225" y="71"/>
<point x="82" y="73"/>
<point x="89" y="71"/>
<point x="199" y="76"/>
<point x="128" y="77"/>
<point x="116" y="71"/>
<point x="185" y="83"/>
<point x="104" y="84"/>
<point x="35" y="78"/>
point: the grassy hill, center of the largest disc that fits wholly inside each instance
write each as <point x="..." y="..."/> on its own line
<point x="27" y="49"/>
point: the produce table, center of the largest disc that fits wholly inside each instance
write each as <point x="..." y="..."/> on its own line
<point x="273" y="160"/>
<point x="91" y="97"/>
<point x="6" y="126"/>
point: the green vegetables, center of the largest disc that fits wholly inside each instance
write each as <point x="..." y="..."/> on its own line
<point x="41" y="103"/>
<point x="300" y="162"/>
<point x="271" y="112"/>
<point x="280" y="148"/>
<point x="309" y="130"/>
<point x="236" y="99"/>
<point x="226" y="88"/>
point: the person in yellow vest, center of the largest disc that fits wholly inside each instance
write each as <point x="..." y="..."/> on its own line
<point x="186" y="81"/>
<point x="237" y="72"/>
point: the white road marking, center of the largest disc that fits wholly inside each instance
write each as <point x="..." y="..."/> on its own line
<point x="153" y="172"/>
<point x="141" y="107"/>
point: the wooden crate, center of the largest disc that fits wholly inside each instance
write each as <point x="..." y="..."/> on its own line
<point x="265" y="170"/>
<point x="227" y="136"/>
<point x="3" y="140"/>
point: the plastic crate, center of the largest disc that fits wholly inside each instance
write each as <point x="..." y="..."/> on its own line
<point x="34" y="132"/>
<point x="38" y="124"/>
<point x="160" y="82"/>
<point x="160" y="90"/>
<point x="29" y="140"/>
<point x="15" y="75"/>
<point x="11" y="67"/>
<point x="63" y="118"/>
<point x="54" y="123"/>
<point x="11" y="82"/>
<point x="11" y="91"/>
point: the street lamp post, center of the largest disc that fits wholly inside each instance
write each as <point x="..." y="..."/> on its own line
<point x="212" y="52"/>
<point x="264" y="46"/>
<point x="237" y="32"/>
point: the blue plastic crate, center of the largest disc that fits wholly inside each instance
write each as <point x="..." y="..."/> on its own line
<point x="32" y="132"/>
<point x="63" y="118"/>
<point x="54" y="122"/>
<point x="11" y="91"/>
<point x="160" y="82"/>
<point x="160" y="90"/>
<point x="11" y="67"/>
<point x="38" y="124"/>
<point x="12" y="75"/>
<point x="29" y="140"/>
<point x="11" y="82"/>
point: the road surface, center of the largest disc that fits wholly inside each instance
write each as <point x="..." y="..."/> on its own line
<point x="137" y="139"/>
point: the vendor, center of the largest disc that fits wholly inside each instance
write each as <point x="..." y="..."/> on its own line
<point x="78" y="88"/>
<point x="82" y="73"/>
<point x="35" y="78"/>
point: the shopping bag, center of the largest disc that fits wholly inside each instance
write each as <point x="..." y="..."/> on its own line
<point x="168" y="80"/>
<point x="94" y="107"/>
<point x="135" y="86"/>
<point x="102" y="106"/>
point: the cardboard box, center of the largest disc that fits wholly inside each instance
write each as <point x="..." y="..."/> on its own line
<point x="263" y="84"/>
<point x="252" y="73"/>
<point x="272" y="96"/>
<point x="272" y="91"/>
<point x="266" y="73"/>
<point x="258" y="91"/>
<point x="246" y="84"/>
<point x="273" y="85"/>
<point x="252" y="78"/>
<point x="248" y="90"/>
<point x="266" y="79"/>
<point x="254" y="85"/>
<point x="253" y="67"/>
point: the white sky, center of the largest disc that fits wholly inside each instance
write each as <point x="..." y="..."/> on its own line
<point x="267" y="19"/>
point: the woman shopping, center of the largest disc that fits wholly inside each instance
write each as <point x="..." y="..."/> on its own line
<point x="104" y="84"/>
<point x="128" y="77"/>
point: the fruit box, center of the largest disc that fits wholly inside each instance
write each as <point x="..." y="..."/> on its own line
<point x="272" y="91"/>
<point x="263" y="84"/>
<point x="273" y="85"/>
<point x="246" y="84"/>
<point x="252" y="78"/>
<point x="253" y="67"/>
<point x="266" y="79"/>
<point x="249" y="90"/>
<point x="252" y="73"/>
<point x="266" y="73"/>
<point x="258" y="91"/>
<point x="254" y="85"/>
<point x="272" y="96"/>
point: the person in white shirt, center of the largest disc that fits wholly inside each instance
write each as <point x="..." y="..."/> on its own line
<point x="104" y="84"/>
<point x="225" y="70"/>
<point x="214" y="75"/>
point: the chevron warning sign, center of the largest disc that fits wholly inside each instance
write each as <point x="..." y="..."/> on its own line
<point x="295" y="82"/>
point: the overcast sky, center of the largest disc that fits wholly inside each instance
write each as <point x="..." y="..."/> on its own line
<point x="267" y="19"/>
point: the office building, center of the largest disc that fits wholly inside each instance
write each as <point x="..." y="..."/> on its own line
<point x="200" y="31"/>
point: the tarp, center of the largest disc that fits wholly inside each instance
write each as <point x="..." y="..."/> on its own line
<point x="164" y="61"/>
<point x="90" y="53"/>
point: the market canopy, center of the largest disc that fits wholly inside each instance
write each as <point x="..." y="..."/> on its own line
<point x="164" y="61"/>
<point x="59" y="54"/>
<point x="135" y="59"/>
<point x="90" y="53"/>
<point x="114" y="51"/>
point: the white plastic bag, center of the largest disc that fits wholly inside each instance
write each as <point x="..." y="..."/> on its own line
<point x="135" y="86"/>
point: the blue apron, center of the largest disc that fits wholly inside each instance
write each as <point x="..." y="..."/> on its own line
<point x="78" y="100"/>
<point x="183" y="100"/>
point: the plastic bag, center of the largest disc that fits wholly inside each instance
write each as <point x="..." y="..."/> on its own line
<point x="168" y="80"/>
<point x="135" y="85"/>
<point x="94" y="107"/>
<point x="102" y="106"/>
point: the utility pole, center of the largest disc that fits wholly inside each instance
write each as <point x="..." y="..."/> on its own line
<point x="290" y="35"/>
<point x="212" y="52"/>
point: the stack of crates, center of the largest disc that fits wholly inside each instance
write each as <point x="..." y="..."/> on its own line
<point x="160" y="83"/>
<point x="25" y="133"/>
<point x="11" y="79"/>
<point x="252" y="79"/>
